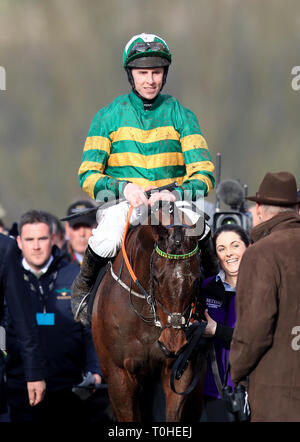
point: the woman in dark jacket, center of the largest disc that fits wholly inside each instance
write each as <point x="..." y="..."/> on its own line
<point x="230" y="242"/>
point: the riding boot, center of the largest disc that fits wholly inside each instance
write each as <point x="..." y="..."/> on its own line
<point x="83" y="284"/>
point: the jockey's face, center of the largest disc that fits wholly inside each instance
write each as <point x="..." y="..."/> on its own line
<point x="36" y="242"/>
<point x="230" y="249"/>
<point x="148" y="82"/>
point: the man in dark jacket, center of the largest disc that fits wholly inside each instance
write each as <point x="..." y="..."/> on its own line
<point x="66" y="345"/>
<point x="267" y="305"/>
<point x="26" y="332"/>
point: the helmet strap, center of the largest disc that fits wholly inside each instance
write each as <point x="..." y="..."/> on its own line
<point x="166" y="69"/>
<point x="130" y="77"/>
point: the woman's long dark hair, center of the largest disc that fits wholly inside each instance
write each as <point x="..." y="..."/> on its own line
<point x="232" y="228"/>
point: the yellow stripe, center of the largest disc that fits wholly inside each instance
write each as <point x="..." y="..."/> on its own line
<point x="90" y="165"/>
<point x="198" y="166"/>
<point x="195" y="141"/>
<point x="100" y="143"/>
<point x="90" y="182"/>
<point x="146" y="161"/>
<point x="158" y="183"/>
<point x="145" y="136"/>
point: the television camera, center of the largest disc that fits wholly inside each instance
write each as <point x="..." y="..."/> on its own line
<point x="233" y="194"/>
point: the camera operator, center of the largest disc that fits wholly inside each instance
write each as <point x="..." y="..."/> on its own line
<point x="267" y="304"/>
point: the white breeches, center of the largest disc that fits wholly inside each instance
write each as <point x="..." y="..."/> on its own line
<point x="106" y="239"/>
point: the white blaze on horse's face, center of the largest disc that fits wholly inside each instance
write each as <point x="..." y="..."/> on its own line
<point x="178" y="275"/>
<point x="183" y="276"/>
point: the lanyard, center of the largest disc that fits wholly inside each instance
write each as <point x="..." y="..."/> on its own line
<point x="43" y="294"/>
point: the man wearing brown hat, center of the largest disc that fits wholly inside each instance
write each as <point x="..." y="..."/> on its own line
<point x="268" y="305"/>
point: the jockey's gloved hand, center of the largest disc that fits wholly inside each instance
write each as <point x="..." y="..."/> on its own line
<point x="163" y="195"/>
<point x="135" y="195"/>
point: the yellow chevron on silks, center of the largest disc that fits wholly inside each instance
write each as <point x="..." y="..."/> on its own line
<point x="195" y="141"/>
<point x="144" y="136"/>
<point x="146" y="161"/>
<point x="97" y="142"/>
<point x="90" y="165"/>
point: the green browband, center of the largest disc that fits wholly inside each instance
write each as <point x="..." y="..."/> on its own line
<point x="171" y="256"/>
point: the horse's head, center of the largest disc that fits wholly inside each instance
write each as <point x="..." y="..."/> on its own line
<point x="172" y="227"/>
<point x="166" y="259"/>
<point x="175" y="269"/>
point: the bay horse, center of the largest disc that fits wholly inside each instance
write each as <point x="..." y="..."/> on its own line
<point x="141" y="311"/>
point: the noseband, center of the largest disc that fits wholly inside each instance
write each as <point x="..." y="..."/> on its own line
<point x="171" y="256"/>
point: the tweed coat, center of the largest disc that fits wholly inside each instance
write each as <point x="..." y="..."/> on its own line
<point x="266" y="339"/>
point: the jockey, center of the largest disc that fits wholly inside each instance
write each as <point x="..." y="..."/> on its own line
<point x="140" y="141"/>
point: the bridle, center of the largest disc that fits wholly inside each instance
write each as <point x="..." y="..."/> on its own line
<point x="175" y="320"/>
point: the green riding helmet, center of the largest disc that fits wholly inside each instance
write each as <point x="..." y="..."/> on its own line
<point x="146" y="51"/>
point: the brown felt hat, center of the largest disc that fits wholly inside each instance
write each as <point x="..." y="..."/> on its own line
<point x="277" y="189"/>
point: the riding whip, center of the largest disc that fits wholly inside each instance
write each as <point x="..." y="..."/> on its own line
<point x="104" y="205"/>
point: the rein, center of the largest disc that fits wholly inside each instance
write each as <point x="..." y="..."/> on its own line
<point x="128" y="265"/>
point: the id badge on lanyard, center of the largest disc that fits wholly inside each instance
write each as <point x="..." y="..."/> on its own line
<point x="44" y="318"/>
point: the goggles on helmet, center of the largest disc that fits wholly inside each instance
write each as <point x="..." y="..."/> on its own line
<point x="149" y="49"/>
<point x="148" y="46"/>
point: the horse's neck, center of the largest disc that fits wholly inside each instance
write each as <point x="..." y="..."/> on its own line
<point x="140" y="246"/>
